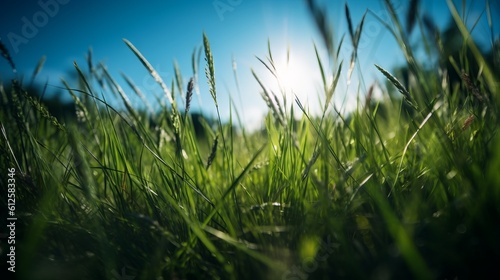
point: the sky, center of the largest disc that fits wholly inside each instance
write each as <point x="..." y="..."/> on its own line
<point x="167" y="32"/>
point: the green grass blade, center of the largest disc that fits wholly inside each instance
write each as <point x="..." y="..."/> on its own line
<point x="151" y="71"/>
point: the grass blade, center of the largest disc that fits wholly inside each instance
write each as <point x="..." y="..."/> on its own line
<point x="38" y="68"/>
<point x="411" y="16"/>
<point x="399" y="86"/>
<point x="151" y="71"/>
<point x="322" y="25"/>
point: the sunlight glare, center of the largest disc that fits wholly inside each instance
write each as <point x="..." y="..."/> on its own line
<point x="295" y="78"/>
<point x="292" y="74"/>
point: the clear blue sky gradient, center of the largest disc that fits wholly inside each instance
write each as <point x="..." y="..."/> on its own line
<point x="168" y="31"/>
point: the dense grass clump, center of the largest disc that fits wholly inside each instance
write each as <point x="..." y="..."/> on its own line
<point x="403" y="187"/>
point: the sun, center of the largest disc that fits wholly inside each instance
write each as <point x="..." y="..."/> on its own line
<point x="291" y="73"/>
<point x="296" y="76"/>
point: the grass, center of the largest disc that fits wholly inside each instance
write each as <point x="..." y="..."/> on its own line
<point x="403" y="187"/>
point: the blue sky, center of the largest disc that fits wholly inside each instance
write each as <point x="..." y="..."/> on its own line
<point x="168" y="31"/>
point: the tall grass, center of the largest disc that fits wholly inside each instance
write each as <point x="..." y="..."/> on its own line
<point x="404" y="187"/>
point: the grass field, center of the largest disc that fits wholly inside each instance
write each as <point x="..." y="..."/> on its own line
<point x="404" y="187"/>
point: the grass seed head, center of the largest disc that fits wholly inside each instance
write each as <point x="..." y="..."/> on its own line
<point x="210" y="69"/>
<point x="468" y="122"/>
<point x="213" y="152"/>
<point x="189" y="94"/>
<point x="369" y="96"/>
<point x="5" y="53"/>
<point x="472" y="88"/>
